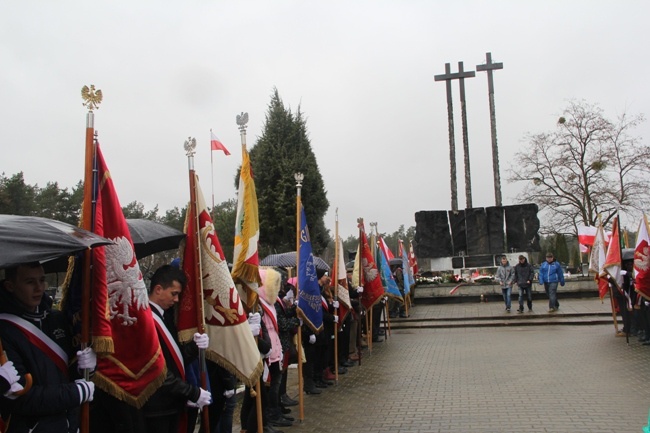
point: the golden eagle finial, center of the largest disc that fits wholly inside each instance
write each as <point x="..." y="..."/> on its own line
<point x="92" y="98"/>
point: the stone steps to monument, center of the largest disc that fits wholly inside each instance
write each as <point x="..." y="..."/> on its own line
<point x="511" y="319"/>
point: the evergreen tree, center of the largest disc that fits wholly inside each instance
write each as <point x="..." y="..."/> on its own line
<point x="282" y="150"/>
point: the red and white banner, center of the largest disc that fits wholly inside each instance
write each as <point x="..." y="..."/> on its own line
<point x="642" y="260"/>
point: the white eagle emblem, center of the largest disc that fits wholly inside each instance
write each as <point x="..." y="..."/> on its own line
<point x="369" y="271"/>
<point x="125" y="284"/>
<point x="642" y="259"/>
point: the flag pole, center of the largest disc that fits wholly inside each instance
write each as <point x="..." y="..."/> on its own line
<point x="92" y="98"/>
<point x="301" y="398"/>
<point x="190" y="149"/>
<point x="211" y="172"/>
<point x="368" y="311"/>
<point x="336" y="295"/>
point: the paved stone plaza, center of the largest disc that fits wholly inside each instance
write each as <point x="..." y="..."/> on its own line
<point x="489" y="379"/>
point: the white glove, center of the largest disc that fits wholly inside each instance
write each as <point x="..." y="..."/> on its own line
<point x="86" y="358"/>
<point x="254" y="321"/>
<point x="265" y="373"/>
<point x="205" y="398"/>
<point x="312" y="339"/>
<point x="360" y="289"/>
<point x="9" y="373"/>
<point x="15" y="387"/>
<point x="229" y="393"/>
<point x="86" y="390"/>
<point x="289" y="296"/>
<point x="295" y="302"/>
<point x="335" y="304"/>
<point x="336" y="319"/>
<point x="268" y="354"/>
<point x="383" y="300"/>
<point x="300" y="320"/>
<point x="202" y="340"/>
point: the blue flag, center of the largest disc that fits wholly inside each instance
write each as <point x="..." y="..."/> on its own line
<point x="406" y="272"/>
<point x="310" y="308"/>
<point x="387" y="279"/>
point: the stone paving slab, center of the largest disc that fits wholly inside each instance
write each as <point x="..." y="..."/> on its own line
<point x="516" y="379"/>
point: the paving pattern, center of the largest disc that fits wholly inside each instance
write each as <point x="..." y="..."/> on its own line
<point x="489" y="379"/>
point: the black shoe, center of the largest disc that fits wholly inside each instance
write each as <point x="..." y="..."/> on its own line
<point x="342" y="370"/>
<point x="403" y="316"/>
<point x="270" y="429"/>
<point x="280" y="422"/>
<point x="377" y="340"/>
<point x="287" y="401"/>
<point x="393" y="315"/>
<point x="313" y="390"/>
<point x="288" y="418"/>
<point x="347" y="364"/>
<point x="320" y="384"/>
<point x="284" y="410"/>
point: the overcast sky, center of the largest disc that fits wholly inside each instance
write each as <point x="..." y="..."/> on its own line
<point x="362" y="72"/>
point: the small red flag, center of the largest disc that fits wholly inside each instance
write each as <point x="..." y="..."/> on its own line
<point x="216" y="144"/>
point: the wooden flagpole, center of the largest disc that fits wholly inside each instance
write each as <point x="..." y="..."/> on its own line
<point x="92" y="98"/>
<point x="336" y="296"/>
<point x="190" y="146"/>
<point x="301" y="398"/>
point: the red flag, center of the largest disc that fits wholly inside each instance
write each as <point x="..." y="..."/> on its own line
<point x="122" y="320"/>
<point x="216" y="144"/>
<point x="232" y="345"/>
<point x="413" y="262"/>
<point x="642" y="260"/>
<point x="387" y="252"/>
<point x="373" y="290"/>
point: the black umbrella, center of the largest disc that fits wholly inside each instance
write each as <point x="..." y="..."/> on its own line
<point x="25" y="239"/>
<point x="395" y="262"/>
<point x="150" y="237"/>
<point x="288" y="260"/>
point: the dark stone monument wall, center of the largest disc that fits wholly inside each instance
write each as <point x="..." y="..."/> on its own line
<point x="432" y="238"/>
<point x="477" y="232"/>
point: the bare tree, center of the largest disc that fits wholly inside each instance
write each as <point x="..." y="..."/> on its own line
<point x="587" y="166"/>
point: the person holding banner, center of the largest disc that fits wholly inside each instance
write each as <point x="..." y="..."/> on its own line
<point x="163" y="410"/>
<point x="38" y="341"/>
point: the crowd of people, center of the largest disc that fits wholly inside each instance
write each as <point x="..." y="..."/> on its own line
<point x="44" y="379"/>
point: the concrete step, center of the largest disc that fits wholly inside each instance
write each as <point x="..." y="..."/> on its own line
<point x="512" y="319"/>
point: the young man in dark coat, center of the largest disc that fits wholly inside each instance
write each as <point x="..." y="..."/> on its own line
<point x="524" y="275"/>
<point x="38" y="340"/>
<point x="164" y="409"/>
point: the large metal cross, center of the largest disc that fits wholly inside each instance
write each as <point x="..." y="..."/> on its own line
<point x="448" y="76"/>
<point x="489" y="67"/>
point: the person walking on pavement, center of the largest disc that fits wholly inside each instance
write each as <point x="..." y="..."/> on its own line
<point x="550" y="274"/>
<point x="506" y="276"/>
<point x="524" y="275"/>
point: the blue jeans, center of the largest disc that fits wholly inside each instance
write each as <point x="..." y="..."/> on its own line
<point x="529" y="292"/>
<point x="551" y="291"/>
<point x="507" y="291"/>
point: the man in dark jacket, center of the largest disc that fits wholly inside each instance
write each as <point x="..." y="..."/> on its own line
<point x="163" y="410"/>
<point x="524" y="275"/>
<point x="38" y="341"/>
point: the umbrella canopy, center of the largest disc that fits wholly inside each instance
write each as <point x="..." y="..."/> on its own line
<point x="150" y="237"/>
<point x="25" y="239"/>
<point x="288" y="260"/>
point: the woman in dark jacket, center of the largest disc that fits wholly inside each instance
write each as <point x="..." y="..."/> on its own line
<point x="524" y="275"/>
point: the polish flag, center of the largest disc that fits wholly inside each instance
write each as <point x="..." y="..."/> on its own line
<point x="586" y="237"/>
<point x="216" y="144"/>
